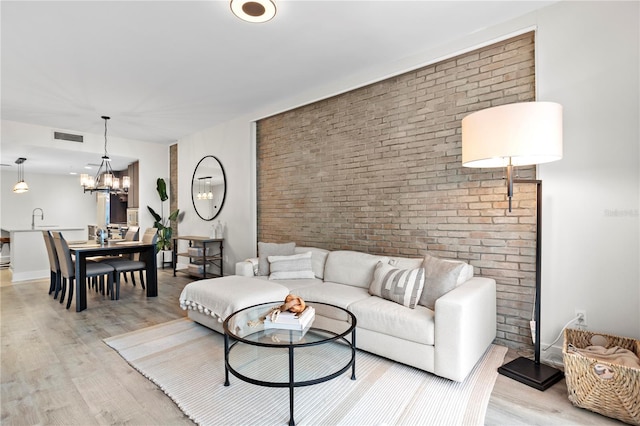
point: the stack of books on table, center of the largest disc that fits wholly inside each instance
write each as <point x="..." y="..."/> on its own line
<point x="289" y="321"/>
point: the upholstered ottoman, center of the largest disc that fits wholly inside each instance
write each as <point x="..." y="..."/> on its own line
<point x="223" y="296"/>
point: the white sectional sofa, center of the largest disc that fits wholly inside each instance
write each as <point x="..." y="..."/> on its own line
<point x="446" y="340"/>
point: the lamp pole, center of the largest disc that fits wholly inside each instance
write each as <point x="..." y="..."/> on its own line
<point x="534" y="373"/>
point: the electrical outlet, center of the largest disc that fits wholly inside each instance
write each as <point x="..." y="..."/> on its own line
<point x="582" y="314"/>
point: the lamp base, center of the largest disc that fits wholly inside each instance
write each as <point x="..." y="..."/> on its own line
<point x="536" y="375"/>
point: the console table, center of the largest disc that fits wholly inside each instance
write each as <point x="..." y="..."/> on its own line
<point x="203" y="253"/>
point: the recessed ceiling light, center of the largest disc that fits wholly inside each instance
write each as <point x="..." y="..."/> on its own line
<point x="253" y="10"/>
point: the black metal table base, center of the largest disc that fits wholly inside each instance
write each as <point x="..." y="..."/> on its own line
<point x="291" y="384"/>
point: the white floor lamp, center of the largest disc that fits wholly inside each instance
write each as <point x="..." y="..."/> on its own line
<point x="512" y="135"/>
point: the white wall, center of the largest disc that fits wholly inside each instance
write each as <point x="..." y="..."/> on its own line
<point x="153" y="163"/>
<point x="232" y="144"/>
<point x="588" y="61"/>
<point x="60" y="197"/>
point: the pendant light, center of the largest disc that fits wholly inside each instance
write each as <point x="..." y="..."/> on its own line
<point x="21" y="186"/>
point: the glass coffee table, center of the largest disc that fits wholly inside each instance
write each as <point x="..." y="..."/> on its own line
<point x="282" y="358"/>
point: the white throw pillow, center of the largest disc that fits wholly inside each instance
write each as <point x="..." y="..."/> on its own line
<point x="272" y="249"/>
<point x="297" y="266"/>
<point x="403" y="286"/>
<point x="441" y="276"/>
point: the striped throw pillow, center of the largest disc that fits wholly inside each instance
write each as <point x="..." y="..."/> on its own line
<point x="403" y="286"/>
<point x="292" y="267"/>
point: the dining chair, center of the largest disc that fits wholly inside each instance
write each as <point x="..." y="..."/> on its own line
<point x="54" y="264"/>
<point x="133" y="234"/>
<point x="68" y="268"/>
<point x="150" y="236"/>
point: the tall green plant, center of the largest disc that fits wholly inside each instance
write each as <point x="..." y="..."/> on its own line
<point x="163" y="225"/>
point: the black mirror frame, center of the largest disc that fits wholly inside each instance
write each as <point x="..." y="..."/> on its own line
<point x="224" y="195"/>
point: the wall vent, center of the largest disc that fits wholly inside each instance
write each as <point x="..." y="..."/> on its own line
<point x="68" y="137"/>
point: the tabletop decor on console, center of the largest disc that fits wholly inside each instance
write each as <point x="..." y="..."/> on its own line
<point x="274" y="355"/>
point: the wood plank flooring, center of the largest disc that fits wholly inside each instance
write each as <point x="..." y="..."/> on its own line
<point x="55" y="368"/>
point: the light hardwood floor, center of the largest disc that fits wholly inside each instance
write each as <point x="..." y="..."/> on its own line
<point x="55" y="368"/>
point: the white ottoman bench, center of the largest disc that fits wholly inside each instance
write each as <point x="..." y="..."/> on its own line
<point x="210" y="302"/>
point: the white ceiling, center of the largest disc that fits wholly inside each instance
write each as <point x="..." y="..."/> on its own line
<point x="166" y="69"/>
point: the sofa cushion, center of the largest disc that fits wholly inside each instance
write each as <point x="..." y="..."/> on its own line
<point x="441" y="276"/>
<point x="384" y="316"/>
<point x="333" y="294"/>
<point x="294" y="285"/>
<point x="318" y="259"/>
<point x="296" y="266"/>
<point x="351" y="268"/>
<point x="403" y="286"/>
<point x="272" y="249"/>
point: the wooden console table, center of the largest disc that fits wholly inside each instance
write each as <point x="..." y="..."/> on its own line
<point x="202" y="256"/>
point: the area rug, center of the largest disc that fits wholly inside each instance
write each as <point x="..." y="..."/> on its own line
<point x="186" y="360"/>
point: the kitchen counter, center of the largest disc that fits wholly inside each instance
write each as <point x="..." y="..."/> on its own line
<point x="29" y="258"/>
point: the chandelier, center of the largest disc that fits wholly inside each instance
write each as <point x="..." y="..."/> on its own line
<point x="105" y="180"/>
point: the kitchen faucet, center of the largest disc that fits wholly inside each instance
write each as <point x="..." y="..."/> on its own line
<point x="33" y="217"/>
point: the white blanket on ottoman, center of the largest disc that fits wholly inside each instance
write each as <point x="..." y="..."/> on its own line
<point x="220" y="297"/>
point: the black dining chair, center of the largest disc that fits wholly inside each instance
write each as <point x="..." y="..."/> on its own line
<point x="68" y="268"/>
<point x="150" y="236"/>
<point x="54" y="264"/>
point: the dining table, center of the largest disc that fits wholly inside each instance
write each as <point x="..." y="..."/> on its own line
<point x="86" y="249"/>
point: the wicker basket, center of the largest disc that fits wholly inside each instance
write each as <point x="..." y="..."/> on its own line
<point x="614" y="394"/>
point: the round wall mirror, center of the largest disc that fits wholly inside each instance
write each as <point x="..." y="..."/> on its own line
<point x="208" y="187"/>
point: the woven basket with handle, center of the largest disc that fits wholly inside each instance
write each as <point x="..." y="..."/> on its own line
<point x="609" y="389"/>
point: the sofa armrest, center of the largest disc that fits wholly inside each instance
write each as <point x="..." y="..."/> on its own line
<point x="246" y="267"/>
<point x="465" y="325"/>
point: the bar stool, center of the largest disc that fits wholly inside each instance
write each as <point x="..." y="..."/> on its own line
<point x="3" y="241"/>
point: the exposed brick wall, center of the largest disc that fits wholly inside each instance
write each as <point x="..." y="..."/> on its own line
<point x="378" y="170"/>
<point x="173" y="184"/>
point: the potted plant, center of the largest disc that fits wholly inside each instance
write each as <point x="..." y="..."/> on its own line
<point x="163" y="225"/>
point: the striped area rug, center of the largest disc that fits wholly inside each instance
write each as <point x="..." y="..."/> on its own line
<point x="185" y="360"/>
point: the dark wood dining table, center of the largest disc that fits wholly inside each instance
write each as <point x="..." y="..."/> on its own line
<point x="87" y="249"/>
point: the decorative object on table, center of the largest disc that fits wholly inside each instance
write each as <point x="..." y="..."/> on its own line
<point x="294" y="314"/>
<point x="293" y="303"/>
<point x="163" y="225"/>
<point x="219" y="230"/>
<point x="287" y="320"/>
<point x="21" y="186"/>
<point x="105" y="179"/>
<point x="208" y="188"/>
<point x="607" y="383"/>
<point x="512" y="135"/>
<point x="101" y="235"/>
